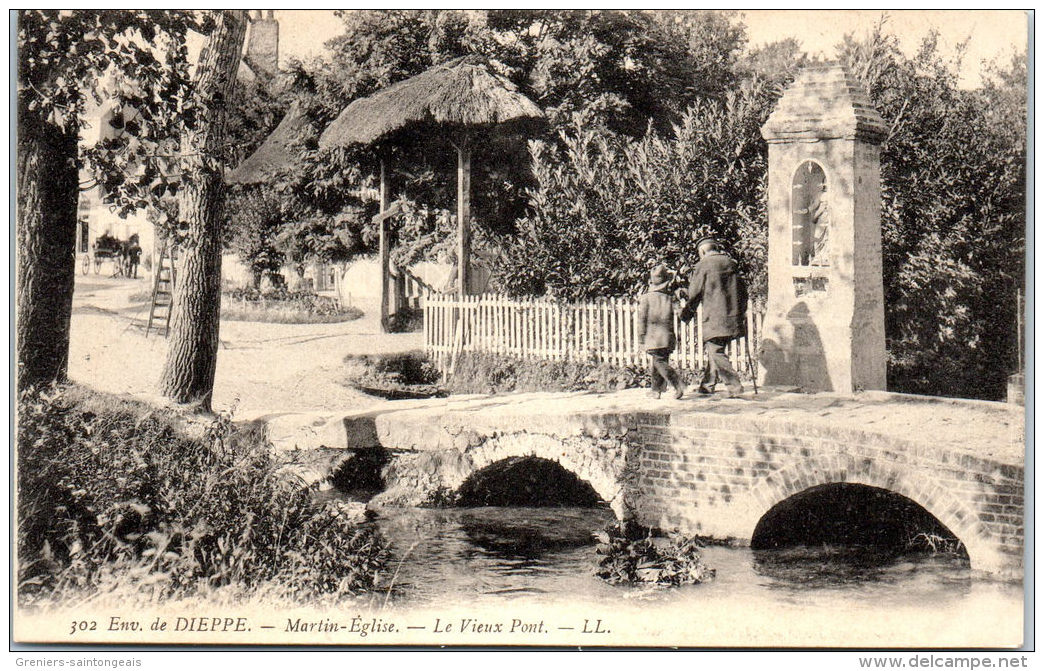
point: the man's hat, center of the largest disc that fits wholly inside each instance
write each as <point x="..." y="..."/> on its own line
<point x="707" y="238"/>
<point x="659" y="278"/>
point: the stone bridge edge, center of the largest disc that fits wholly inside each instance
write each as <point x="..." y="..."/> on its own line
<point x="602" y="464"/>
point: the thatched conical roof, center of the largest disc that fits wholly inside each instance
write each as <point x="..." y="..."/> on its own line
<point x="277" y="149"/>
<point x="462" y="92"/>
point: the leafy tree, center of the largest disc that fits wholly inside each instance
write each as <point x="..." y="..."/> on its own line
<point x="775" y="63"/>
<point x="953" y="215"/>
<point x="252" y="222"/>
<point x="621" y="70"/>
<point x="253" y="213"/>
<point x="328" y="239"/>
<point x="62" y="57"/>
<point x="607" y="208"/>
<point x="188" y="373"/>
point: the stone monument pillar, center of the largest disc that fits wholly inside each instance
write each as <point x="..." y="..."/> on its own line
<point x="824" y="324"/>
<point x="262" y="44"/>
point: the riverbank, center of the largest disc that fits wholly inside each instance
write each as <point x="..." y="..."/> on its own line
<point x="119" y="497"/>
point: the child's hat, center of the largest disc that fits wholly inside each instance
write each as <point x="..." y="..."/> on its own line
<point x="659" y="278"/>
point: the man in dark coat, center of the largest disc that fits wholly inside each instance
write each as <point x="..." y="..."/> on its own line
<point x="656" y="331"/>
<point x="133" y="254"/>
<point x="716" y="283"/>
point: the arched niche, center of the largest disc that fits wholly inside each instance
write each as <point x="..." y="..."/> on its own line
<point x="810" y="215"/>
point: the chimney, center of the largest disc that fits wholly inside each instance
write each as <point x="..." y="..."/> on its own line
<point x="262" y="50"/>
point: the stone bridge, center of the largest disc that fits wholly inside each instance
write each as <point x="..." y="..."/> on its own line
<point x="708" y="467"/>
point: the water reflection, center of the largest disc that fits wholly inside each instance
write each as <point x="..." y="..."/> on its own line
<point x="827" y="567"/>
<point x="548" y="554"/>
<point x="470" y="553"/>
<point x="524" y="535"/>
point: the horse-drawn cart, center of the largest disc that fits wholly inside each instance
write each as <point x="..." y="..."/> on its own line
<point x="121" y="253"/>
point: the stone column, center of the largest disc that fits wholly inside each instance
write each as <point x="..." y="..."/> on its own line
<point x="824" y="323"/>
<point x="262" y="48"/>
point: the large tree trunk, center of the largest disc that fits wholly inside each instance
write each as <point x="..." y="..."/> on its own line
<point x="45" y="216"/>
<point x="188" y="374"/>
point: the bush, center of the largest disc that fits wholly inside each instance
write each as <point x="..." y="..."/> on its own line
<point x="407" y="320"/>
<point x="401" y="375"/>
<point x="283" y="306"/>
<point x="953" y="215"/>
<point x="607" y="208"/>
<point x="481" y="373"/>
<point x="114" y="494"/>
<point x="674" y="561"/>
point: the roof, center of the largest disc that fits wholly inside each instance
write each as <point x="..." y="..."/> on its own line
<point x="824" y="102"/>
<point x="463" y="92"/>
<point x="278" y="149"/>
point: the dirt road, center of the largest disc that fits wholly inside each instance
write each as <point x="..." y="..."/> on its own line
<point x="261" y="368"/>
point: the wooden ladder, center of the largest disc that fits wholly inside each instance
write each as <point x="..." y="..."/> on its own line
<point x="162" y="291"/>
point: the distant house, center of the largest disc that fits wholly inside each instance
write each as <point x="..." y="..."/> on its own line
<point x="260" y="62"/>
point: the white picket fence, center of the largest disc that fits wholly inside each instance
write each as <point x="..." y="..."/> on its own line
<point x="599" y="331"/>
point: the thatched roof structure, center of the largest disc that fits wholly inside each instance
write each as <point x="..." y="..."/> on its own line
<point x="276" y="151"/>
<point x="461" y="93"/>
<point x="460" y="97"/>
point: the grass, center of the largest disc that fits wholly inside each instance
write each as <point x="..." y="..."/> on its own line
<point x="480" y="373"/>
<point x="242" y="306"/>
<point x="118" y="499"/>
<point x="412" y="374"/>
<point x="281" y="306"/>
<point x="281" y="314"/>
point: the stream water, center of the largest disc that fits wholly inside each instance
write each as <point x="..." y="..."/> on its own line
<point x="482" y="554"/>
<point x="500" y="556"/>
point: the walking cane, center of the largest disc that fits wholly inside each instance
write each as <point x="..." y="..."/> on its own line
<point x="750" y="365"/>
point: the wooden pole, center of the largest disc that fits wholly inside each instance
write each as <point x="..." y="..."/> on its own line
<point x="383" y="251"/>
<point x="463" y="215"/>
<point x="1018" y="326"/>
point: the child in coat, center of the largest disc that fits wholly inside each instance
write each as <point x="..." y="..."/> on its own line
<point x="656" y="331"/>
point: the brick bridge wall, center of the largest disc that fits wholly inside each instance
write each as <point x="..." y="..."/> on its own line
<point x="716" y="476"/>
<point x="711" y="474"/>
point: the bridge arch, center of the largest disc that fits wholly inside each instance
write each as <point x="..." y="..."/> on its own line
<point x="800" y="476"/>
<point x="526" y="481"/>
<point x="598" y="465"/>
<point x="853" y="513"/>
